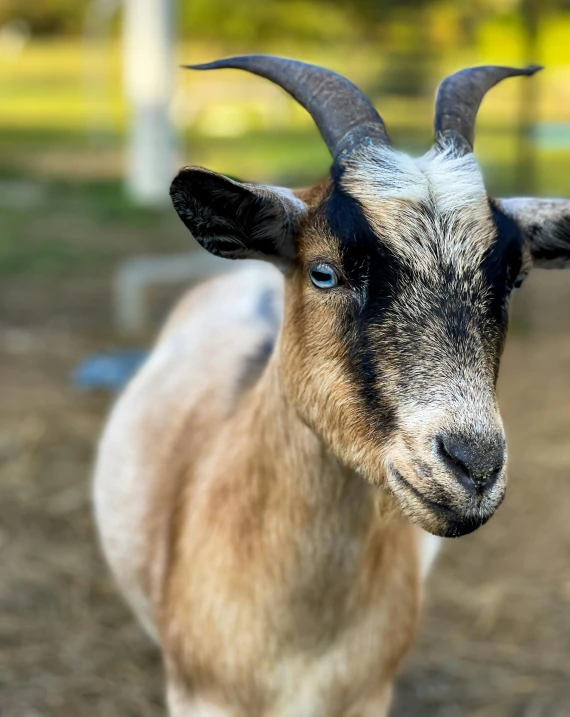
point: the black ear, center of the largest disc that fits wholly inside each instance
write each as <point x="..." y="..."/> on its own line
<point x="545" y="225"/>
<point x="238" y="221"/>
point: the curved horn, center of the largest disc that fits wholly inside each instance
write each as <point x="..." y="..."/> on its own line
<point x="344" y="116"/>
<point x="459" y="97"/>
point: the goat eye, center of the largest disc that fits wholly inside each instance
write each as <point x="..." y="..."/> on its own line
<point x="323" y="276"/>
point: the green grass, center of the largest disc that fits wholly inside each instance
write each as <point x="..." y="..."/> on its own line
<point x="83" y="222"/>
<point x="87" y="225"/>
<point x="81" y="228"/>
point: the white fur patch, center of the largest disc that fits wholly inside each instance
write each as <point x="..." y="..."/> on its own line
<point x="443" y="178"/>
<point x="430" y="545"/>
<point x="181" y="705"/>
<point x="428" y="210"/>
<point x="454" y="181"/>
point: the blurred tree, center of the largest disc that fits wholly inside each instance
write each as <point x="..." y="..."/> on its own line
<point x="45" y="18"/>
<point x="314" y="19"/>
<point x="264" y="21"/>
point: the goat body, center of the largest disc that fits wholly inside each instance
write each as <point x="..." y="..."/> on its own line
<point x="264" y="483"/>
<point x="277" y="581"/>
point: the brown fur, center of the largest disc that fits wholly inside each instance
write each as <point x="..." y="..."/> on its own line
<point x="268" y="567"/>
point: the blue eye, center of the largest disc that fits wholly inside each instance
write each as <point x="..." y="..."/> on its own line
<point x="324" y="276"/>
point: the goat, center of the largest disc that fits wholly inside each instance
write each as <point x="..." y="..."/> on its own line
<point x="269" y="486"/>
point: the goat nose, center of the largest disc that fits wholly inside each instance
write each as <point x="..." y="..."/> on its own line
<point x="476" y="464"/>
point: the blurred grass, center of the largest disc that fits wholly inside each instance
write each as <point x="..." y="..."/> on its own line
<point x="79" y="229"/>
<point x="63" y="121"/>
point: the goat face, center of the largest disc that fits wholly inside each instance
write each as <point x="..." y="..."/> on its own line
<point x="398" y="274"/>
<point x="396" y="362"/>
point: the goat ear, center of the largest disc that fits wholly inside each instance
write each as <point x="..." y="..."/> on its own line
<point x="238" y="221"/>
<point x="545" y="225"/>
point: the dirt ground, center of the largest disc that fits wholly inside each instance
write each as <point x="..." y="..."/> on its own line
<point x="495" y="640"/>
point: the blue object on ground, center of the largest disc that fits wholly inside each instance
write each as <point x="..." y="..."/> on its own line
<point x="108" y="371"/>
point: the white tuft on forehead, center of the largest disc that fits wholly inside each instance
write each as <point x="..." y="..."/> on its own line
<point x="454" y="181"/>
<point x="394" y="191"/>
<point x="446" y="180"/>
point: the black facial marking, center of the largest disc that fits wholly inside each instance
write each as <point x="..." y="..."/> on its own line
<point x="502" y="265"/>
<point x="346" y="222"/>
<point x="363" y="256"/>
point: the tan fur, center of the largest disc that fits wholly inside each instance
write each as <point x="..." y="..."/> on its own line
<point x="277" y="582"/>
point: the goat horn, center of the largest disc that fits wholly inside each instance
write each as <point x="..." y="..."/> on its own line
<point x="459" y="97"/>
<point x="344" y="116"/>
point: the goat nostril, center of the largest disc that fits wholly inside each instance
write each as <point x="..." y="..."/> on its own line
<point x="474" y="465"/>
<point x="451" y="457"/>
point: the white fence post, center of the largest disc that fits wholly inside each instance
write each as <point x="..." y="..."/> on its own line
<point x="148" y="48"/>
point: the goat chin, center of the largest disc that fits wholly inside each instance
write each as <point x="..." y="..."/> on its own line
<point x="450" y="516"/>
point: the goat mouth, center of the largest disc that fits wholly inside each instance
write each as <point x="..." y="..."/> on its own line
<point x="443" y="520"/>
